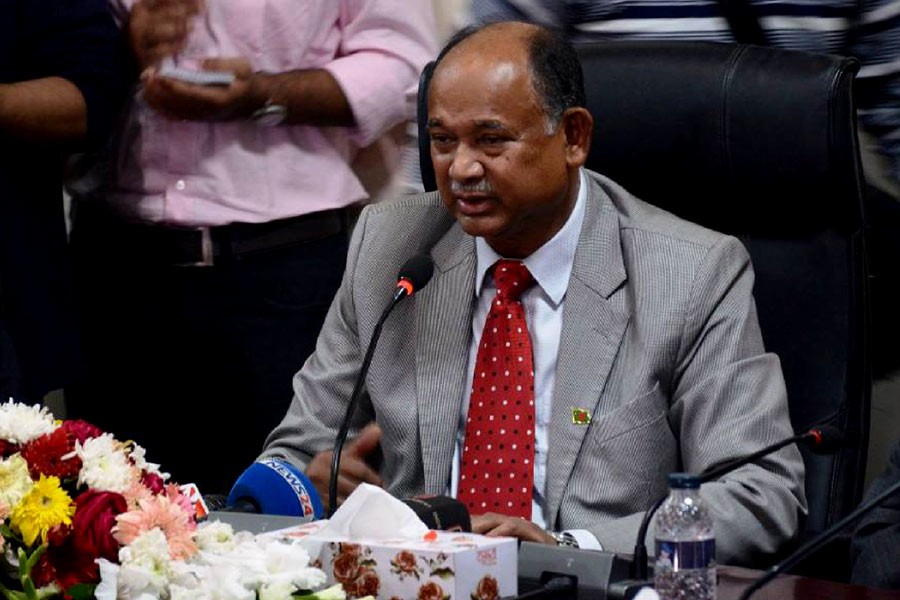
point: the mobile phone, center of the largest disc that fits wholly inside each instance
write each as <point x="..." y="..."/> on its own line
<point x="225" y="78"/>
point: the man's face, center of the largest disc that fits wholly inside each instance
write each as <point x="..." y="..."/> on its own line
<point x="500" y="169"/>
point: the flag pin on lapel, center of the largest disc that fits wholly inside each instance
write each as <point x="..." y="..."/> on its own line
<point x="581" y="416"/>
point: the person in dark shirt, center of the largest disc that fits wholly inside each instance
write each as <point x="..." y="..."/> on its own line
<point x="62" y="80"/>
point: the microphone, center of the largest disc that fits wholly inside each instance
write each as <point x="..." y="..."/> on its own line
<point x="818" y="541"/>
<point x="820" y="439"/>
<point x="275" y="487"/>
<point x="414" y="275"/>
<point x="441" y="512"/>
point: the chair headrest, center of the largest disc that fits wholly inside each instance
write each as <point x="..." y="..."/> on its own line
<point x="706" y="129"/>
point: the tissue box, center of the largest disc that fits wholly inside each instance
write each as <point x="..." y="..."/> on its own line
<point x="442" y="566"/>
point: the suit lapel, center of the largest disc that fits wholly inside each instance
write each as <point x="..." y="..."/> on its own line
<point x="443" y="331"/>
<point x="593" y="327"/>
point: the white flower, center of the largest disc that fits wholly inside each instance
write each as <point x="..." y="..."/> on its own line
<point x="215" y="536"/>
<point x="107" y="589"/>
<point x="21" y="423"/>
<point x="104" y="464"/>
<point x="229" y="566"/>
<point x="335" y="592"/>
<point x="139" y="456"/>
<point x="286" y="562"/>
<point x="280" y="590"/>
<point x="177" y="592"/>
<point x="15" y="481"/>
<point x="227" y="583"/>
<point x="145" y="566"/>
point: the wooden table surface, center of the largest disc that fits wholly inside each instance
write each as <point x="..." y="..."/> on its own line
<point x="733" y="580"/>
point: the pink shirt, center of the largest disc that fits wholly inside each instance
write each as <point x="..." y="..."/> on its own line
<point x="201" y="173"/>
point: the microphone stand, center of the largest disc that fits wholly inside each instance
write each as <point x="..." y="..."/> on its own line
<point x="818" y="541"/>
<point x="399" y="294"/>
<point x="716" y="472"/>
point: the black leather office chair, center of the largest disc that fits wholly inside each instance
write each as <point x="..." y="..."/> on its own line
<point x="759" y="143"/>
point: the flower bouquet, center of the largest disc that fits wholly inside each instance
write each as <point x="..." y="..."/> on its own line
<point x="84" y="515"/>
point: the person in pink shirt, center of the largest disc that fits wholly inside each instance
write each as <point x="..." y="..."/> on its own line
<point x="207" y="261"/>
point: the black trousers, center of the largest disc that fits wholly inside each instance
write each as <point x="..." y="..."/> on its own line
<point x="196" y="363"/>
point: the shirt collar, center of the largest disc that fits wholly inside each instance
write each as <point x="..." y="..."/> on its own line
<point x="551" y="264"/>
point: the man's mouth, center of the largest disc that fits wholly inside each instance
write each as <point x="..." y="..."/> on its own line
<point x="473" y="205"/>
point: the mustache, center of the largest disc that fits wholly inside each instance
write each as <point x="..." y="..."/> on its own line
<point x="482" y="186"/>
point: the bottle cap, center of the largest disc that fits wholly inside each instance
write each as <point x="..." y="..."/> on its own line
<point x="684" y="481"/>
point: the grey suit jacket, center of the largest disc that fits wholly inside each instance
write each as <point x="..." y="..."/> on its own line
<point x="660" y="342"/>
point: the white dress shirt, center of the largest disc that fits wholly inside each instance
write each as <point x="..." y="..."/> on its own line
<point x="550" y="265"/>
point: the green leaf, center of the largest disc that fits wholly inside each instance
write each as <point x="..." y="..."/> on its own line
<point x="29" y="589"/>
<point x="48" y="591"/>
<point x="10" y="594"/>
<point x="35" y="556"/>
<point x="82" y="591"/>
<point x="443" y="572"/>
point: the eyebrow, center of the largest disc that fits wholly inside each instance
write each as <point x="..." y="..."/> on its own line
<point x="489" y="124"/>
<point x="486" y="124"/>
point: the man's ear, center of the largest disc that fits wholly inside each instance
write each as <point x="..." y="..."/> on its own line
<point x="578" y="125"/>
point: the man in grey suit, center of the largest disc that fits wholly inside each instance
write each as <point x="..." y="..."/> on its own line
<point x="647" y="355"/>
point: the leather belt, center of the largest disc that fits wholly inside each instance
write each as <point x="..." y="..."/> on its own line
<point x="205" y="246"/>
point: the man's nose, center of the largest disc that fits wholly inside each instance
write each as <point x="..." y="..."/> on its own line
<point x="466" y="165"/>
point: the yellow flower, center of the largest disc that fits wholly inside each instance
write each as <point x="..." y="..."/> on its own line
<point x="15" y="481"/>
<point x="43" y="508"/>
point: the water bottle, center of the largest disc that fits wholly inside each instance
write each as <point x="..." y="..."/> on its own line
<point x="685" y="543"/>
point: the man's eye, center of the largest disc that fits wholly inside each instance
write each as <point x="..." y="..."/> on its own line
<point x="492" y="140"/>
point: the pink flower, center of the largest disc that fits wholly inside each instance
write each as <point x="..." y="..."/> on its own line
<point x="135" y="492"/>
<point x="159" y="512"/>
<point x="178" y="497"/>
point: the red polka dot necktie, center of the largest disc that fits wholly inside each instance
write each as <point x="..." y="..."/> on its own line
<point x="497" y="471"/>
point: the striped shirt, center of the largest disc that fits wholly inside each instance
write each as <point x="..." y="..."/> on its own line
<point x="866" y="29"/>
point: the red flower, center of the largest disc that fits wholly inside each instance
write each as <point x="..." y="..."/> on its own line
<point x="430" y="591"/>
<point x="346" y="568"/>
<point x="368" y="583"/>
<point x="95" y="516"/>
<point x="45" y="455"/>
<point x="153" y="482"/>
<point x="82" y="430"/>
<point x="487" y="589"/>
<point x="72" y="550"/>
<point x="405" y="562"/>
<point x="7" y="449"/>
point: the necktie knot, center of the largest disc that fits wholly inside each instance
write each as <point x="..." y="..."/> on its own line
<point x="512" y="278"/>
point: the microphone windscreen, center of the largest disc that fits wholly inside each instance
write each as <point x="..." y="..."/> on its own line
<point x="277" y="488"/>
<point x="417" y="270"/>
<point x="825" y="439"/>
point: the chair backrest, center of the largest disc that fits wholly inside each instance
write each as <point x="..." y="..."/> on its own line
<point x="759" y="143"/>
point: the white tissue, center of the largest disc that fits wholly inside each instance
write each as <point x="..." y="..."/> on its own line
<point x="371" y="513"/>
<point x="647" y="593"/>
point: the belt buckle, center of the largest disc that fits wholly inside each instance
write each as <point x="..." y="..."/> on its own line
<point x="206" y="250"/>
